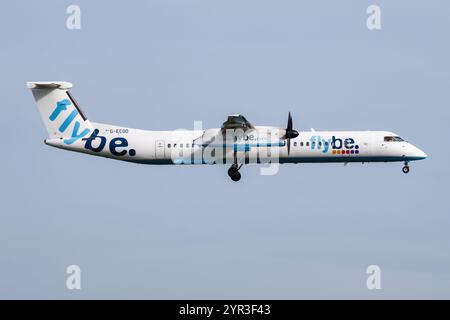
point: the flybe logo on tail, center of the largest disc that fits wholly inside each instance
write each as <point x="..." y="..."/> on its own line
<point x="117" y="146"/>
<point x="75" y="135"/>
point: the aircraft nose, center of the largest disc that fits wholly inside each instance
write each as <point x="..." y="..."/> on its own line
<point x="418" y="154"/>
<point x="421" y="154"/>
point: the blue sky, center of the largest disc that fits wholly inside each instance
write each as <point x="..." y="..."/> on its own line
<point x="189" y="232"/>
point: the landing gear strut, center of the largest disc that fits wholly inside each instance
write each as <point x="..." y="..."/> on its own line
<point x="234" y="173"/>
<point x="405" y="169"/>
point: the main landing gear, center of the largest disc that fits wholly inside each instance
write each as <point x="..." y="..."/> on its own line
<point x="234" y="173"/>
<point x="405" y="169"/>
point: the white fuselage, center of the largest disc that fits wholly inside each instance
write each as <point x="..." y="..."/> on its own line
<point x="188" y="147"/>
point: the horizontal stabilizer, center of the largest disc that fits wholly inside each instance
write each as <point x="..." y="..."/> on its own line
<point x="49" y="85"/>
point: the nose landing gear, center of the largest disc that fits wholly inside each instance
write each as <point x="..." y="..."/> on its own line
<point x="234" y="173"/>
<point x="405" y="169"/>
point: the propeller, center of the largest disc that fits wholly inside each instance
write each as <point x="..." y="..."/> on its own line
<point x="290" y="133"/>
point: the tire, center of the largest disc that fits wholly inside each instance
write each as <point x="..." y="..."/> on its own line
<point x="234" y="174"/>
<point x="405" y="169"/>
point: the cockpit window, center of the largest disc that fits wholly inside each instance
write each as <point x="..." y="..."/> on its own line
<point x="393" y="139"/>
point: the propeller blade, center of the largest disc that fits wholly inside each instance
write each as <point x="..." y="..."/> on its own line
<point x="289" y="124"/>
<point x="288" y="145"/>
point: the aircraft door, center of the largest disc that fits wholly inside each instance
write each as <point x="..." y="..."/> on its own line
<point x="160" y="147"/>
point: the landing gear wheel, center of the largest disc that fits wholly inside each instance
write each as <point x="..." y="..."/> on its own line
<point x="405" y="169"/>
<point x="234" y="174"/>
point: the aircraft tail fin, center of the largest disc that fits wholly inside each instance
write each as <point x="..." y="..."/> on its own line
<point x="60" y="113"/>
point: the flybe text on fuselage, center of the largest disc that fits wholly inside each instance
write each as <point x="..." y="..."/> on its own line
<point x="117" y="146"/>
<point x="333" y="144"/>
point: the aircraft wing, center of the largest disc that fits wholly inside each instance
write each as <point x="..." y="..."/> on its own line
<point x="236" y="121"/>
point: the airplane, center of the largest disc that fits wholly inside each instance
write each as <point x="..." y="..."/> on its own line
<point x="236" y="142"/>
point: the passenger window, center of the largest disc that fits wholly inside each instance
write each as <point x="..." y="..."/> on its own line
<point x="168" y="145"/>
<point x="181" y="145"/>
<point x="301" y="144"/>
<point x="174" y="145"/>
<point x="307" y="143"/>
<point x="320" y="143"/>
<point x="295" y="144"/>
